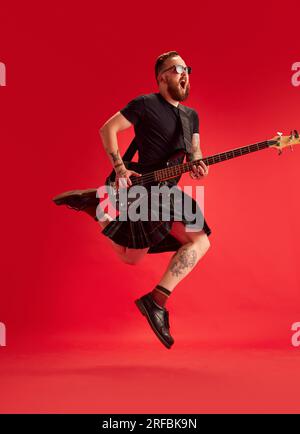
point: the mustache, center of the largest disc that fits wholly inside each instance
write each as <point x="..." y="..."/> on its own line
<point x="177" y="92"/>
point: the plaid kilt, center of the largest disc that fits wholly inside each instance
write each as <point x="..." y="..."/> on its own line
<point x="156" y="234"/>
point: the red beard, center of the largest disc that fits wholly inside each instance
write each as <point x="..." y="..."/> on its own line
<point x="177" y="92"/>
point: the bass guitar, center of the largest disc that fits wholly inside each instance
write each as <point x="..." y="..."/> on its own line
<point x="154" y="174"/>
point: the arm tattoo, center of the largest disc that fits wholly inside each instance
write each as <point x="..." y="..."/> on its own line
<point x="118" y="165"/>
<point x="185" y="258"/>
<point x="195" y="153"/>
<point x="115" y="156"/>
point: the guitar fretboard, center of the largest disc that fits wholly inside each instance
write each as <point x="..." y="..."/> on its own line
<point x="176" y="170"/>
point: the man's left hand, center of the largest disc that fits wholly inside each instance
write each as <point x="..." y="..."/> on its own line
<point x="199" y="171"/>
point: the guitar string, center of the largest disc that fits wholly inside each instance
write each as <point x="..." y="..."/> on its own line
<point x="150" y="177"/>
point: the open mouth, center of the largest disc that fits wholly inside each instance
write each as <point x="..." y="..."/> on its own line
<point x="182" y="84"/>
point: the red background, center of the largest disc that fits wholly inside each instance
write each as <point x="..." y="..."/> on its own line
<point x="75" y="340"/>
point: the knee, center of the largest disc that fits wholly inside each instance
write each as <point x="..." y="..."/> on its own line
<point x="127" y="260"/>
<point x="203" y="244"/>
<point x="130" y="261"/>
<point x="206" y="244"/>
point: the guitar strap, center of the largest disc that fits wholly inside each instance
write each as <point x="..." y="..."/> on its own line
<point x="186" y="128"/>
<point x="129" y="154"/>
<point x="130" y="151"/>
<point x="187" y="136"/>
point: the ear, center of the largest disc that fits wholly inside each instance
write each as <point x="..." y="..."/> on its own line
<point x="161" y="79"/>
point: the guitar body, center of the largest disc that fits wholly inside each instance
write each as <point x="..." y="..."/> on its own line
<point x="147" y="171"/>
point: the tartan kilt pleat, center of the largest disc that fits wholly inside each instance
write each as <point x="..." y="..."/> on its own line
<point x="155" y="234"/>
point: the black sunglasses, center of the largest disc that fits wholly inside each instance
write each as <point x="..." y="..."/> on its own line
<point x="179" y="69"/>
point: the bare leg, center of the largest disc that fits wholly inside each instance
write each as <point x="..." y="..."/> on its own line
<point x="195" y="245"/>
<point x="152" y="305"/>
<point x="132" y="256"/>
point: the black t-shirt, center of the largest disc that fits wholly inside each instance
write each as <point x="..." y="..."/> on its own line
<point x="157" y="126"/>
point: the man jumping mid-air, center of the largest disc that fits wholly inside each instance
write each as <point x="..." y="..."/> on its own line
<point x="158" y="133"/>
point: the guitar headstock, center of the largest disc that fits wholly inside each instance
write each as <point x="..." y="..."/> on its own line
<point x="285" y="141"/>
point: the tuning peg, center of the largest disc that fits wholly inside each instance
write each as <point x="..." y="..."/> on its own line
<point x="279" y="151"/>
<point x="279" y="138"/>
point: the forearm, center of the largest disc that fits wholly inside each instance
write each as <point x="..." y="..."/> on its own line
<point x="196" y="155"/>
<point x="195" y="151"/>
<point x="110" y="144"/>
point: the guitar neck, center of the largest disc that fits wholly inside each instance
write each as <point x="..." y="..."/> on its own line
<point x="179" y="169"/>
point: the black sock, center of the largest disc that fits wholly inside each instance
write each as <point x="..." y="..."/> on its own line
<point x="160" y="295"/>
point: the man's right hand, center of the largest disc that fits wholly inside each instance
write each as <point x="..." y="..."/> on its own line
<point x="123" y="178"/>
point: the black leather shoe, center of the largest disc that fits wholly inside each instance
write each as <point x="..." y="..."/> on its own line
<point x="77" y="199"/>
<point x="157" y="317"/>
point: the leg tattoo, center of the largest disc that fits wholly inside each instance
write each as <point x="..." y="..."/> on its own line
<point x="186" y="259"/>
